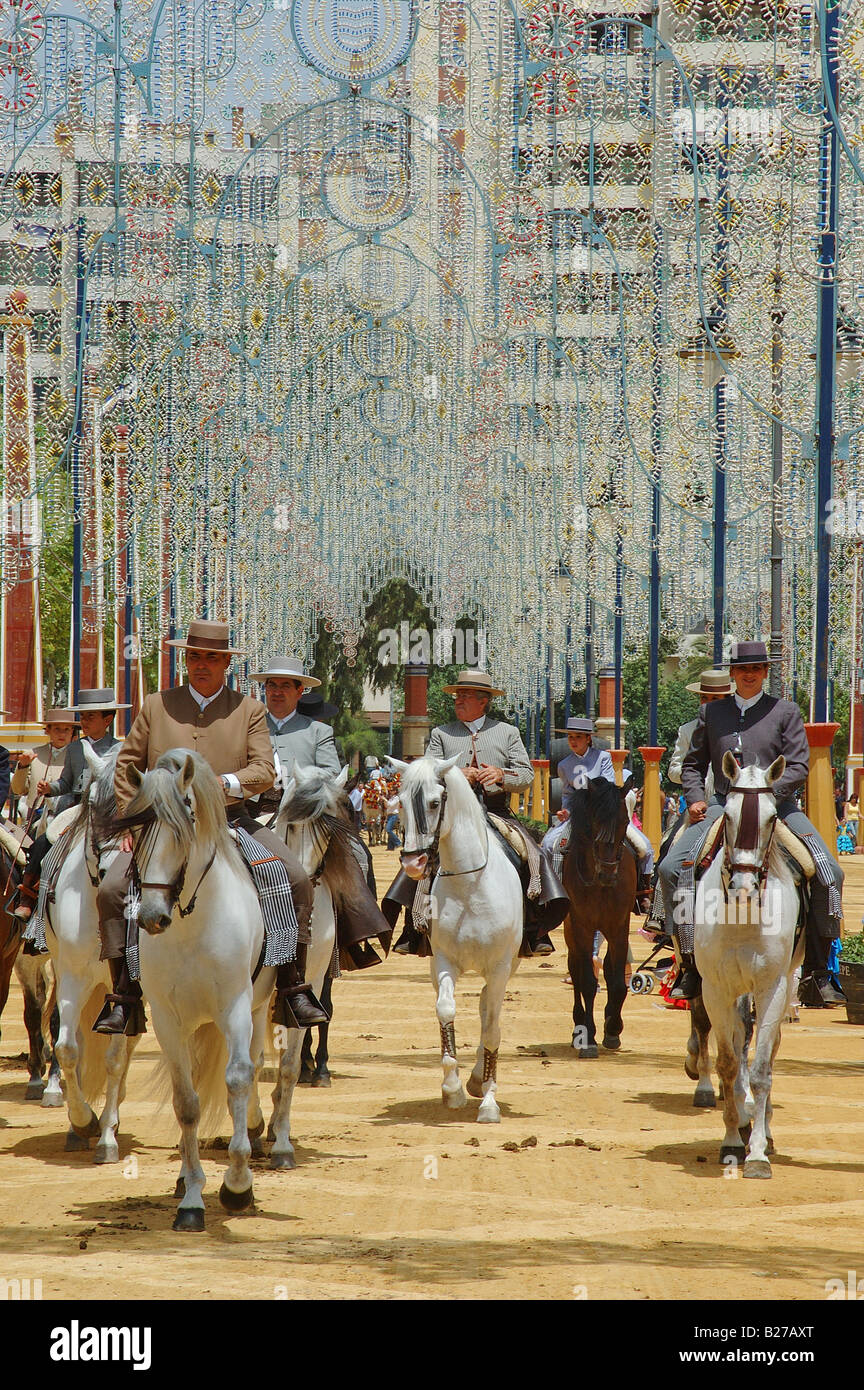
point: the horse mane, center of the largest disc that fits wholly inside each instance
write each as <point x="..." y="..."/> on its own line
<point x="317" y="799"/>
<point x="159" y="798"/>
<point x="594" y="811"/>
<point x="98" y="801"/>
<point x="463" y="811"/>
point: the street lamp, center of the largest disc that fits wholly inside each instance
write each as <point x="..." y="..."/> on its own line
<point x="711" y="359"/>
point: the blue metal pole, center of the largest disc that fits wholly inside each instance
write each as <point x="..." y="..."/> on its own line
<point x="825" y="362"/>
<point x="654" y="573"/>
<point x="77" y="520"/>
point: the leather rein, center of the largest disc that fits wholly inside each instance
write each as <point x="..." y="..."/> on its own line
<point x="175" y="888"/>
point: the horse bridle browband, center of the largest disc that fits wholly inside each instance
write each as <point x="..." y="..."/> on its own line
<point x="435" y="871"/>
<point x="748" y="831"/>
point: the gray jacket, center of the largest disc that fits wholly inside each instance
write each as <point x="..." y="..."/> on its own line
<point x="71" y="780"/>
<point x="306" y="742"/>
<point x="498" y="745"/>
<point x="766" y="729"/>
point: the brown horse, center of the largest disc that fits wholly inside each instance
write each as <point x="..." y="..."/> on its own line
<point x="600" y="875"/>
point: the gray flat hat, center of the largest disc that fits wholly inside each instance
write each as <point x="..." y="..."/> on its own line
<point x="96" y="700"/>
<point x="578" y="726"/>
<point x="285" y="666"/>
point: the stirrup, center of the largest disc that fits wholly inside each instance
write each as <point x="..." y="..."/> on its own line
<point x="283" y="1010"/>
<point x="132" y="1016"/>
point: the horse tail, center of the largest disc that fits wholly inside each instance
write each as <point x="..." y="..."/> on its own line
<point x="209" y="1060"/>
<point x="92" y="1072"/>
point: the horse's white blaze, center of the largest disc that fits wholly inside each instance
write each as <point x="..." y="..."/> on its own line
<point x="476" y="918"/>
<point x="747" y="953"/>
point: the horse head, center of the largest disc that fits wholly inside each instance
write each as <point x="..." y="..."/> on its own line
<point x="751" y="814"/>
<point x="312" y="809"/>
<point x="600" y="815"/>
<point x="422" y="796"/>
<point x="177" y="819"/>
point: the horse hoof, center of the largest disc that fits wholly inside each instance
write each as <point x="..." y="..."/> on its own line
<point x="454" y="1100"/>
<point x="705" y="1100"/>
<point x="491" y="1117"/>
<point x="75" y="1144"/>
<point x="305" y="1077"/>
<point x="35" y="1090"/>
<point x="757" y="1168"/>
<point x="88" y="1131"/>
<point x="236" y="1201"/>
<point x="258" y="1150"/>
<point x="188" y="1219"/>
<point x="282" y="1161"/>
<point x="736" y="1151"/>
<point x="106" y="1153"/>
<point x="51" y="1098"/>
<point x="611" y="1043"/>
<point x="745" y="1131"/>
<point x="321" y="1078"/>
<point x="474" y="1087"/>
<point x="691" y="1071"/>
<point x="591" y="1051"/>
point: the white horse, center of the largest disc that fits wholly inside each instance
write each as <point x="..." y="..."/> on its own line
<point x="202" y="938"/>
<point x="745" y="944"/>
<point x="476" y="912"/>
<point x="90" y="1062"/>
<point x="311" y="823"/>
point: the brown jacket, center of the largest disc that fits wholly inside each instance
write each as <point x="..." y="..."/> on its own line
<point x="230" y="734"/>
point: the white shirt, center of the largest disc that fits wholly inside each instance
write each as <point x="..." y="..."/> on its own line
<point x="744" y="705"/>
<point x="475" y="725"/>
<point x="202" y="701"/>
<point x="280" y="723"/>
<point x="356" y="798"/>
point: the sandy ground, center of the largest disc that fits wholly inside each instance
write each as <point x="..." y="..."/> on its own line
<point x="601" y="1181"/>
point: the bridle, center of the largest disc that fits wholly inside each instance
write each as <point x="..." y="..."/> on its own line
<point x="434" y="869"/>
<point x="747" y="838"/>
<point x="611" y="866"/>
<point x="175" y="888"/>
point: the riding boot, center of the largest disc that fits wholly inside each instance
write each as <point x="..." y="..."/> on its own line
<point x="689" y="982"/>
<point x="295" y="1006"/>
<point x="816" y="964"/>
<point x="27" y="894"/>
<point x="123" y="1010"/>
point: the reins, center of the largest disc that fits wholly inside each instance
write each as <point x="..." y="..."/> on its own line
<point x="432" y="853"/>
<point x="174" y="889"/>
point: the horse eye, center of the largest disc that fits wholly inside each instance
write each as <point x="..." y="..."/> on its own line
<point x="435" y="804"/>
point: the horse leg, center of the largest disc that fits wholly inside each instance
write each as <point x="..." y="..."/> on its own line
<point x="282" y="1152"/>
<point x="444" y="977"/>
<point x="117" y="1059"/>
<point x="236" y="1192"/>
<point x="306" y="1067"/>
<point x="486" y="1067"/>
<point x="770" y="1009"/>
<point x="322" y="1072"/>
<point x="254" y="1115"/>
<point x="72" y="993"/>
<point x="581" y="967"/>
<point x="190" y="1212"/>
<point x="33" y="1007"/>
<point x="729" y="1033"/>
<point x="698" y="1062"/>
<point x="614" y="967"/>
<point x="53" y="1093"/>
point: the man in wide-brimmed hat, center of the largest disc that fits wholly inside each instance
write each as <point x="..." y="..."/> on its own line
<point x="584" y="761"/>
<point x="296" y="737"/>
<point x="95" y="713"/>
<point x="711" y="685"/>
<point x="496" y="763"/>
<point x="229" y="731"/>
<point x="757" y="728"/>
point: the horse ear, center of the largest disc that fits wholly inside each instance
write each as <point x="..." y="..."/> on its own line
<point x="443" y="765"/>
<point x="186" y="773"/>
<point x="397" y="763"/>
<point x="343" y="776"/>
<point x="731" y="767"/>
<point x="135" y="777"/>
<point x="92" y="759"/>
<point x="776" y="770"/>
